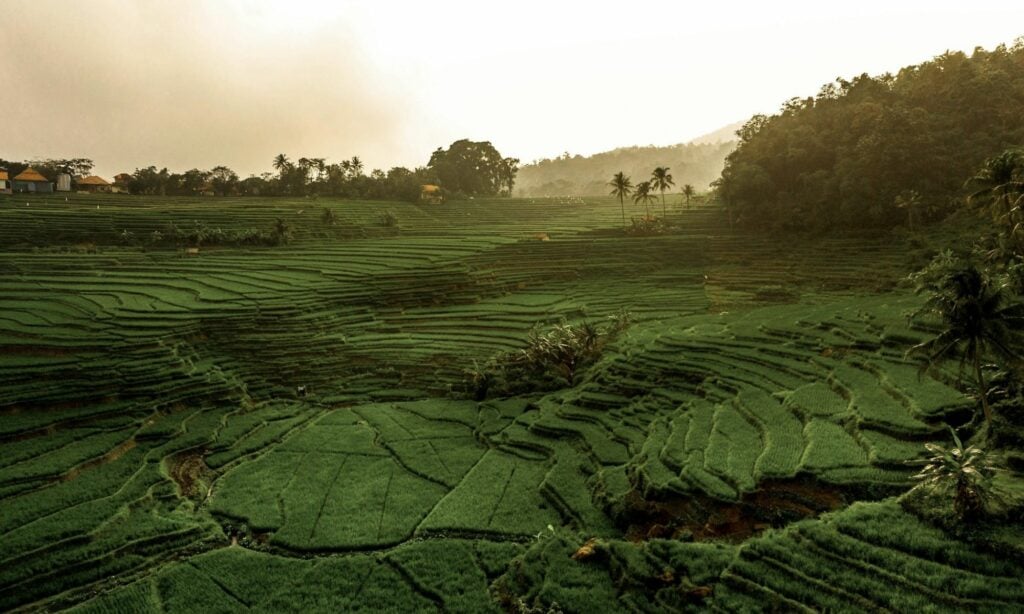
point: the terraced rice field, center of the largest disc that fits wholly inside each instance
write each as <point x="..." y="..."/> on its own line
<point x="158" y="456"/>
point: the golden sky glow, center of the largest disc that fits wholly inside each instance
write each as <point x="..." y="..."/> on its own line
<point x="195" y="84"/>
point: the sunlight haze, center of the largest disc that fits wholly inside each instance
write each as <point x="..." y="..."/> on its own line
<point x="203" y="83"/>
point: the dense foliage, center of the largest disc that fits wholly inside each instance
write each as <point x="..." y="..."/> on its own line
<point x="979" y="318"/>
<point x="840" y="159"/>
<point x="964" y="470"/>
<point x="550" y="360"/>
<point x="466" y="168"/>
<point x="49" y="167"/>
<point x="474" y="168"/>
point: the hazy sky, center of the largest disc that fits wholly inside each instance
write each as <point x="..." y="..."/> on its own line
<point x="194" y="84"/>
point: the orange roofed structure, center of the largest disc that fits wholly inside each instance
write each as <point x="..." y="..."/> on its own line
<point x="93" y="183"/>
<point x="29" y="180"/>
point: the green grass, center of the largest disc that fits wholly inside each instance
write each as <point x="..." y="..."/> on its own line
<point x="130" y="372"/>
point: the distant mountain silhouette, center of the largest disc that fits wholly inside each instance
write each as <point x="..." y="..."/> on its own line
<point x="698" y="162"/>
<point x="722" y="135"/>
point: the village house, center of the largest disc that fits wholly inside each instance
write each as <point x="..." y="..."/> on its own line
<point x="29" y="180"/>
<point x="5" y="183"/>
<point x="121" y="183"/>
<point x="431" y="194"/>
<point x="93" y="184"/>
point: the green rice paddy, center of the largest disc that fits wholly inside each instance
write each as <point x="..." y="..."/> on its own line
<point x="737" y="449"/>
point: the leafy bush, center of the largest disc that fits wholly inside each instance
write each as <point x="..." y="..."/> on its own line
<point x="199" y="234"/>
<point x="964" y="471"/>
<point x="328" y="217"/>
<point x="647" y="226"/>
<point x="388" y="219"/>
<point x="282" y="232"/>
<point x="551" y="360"/>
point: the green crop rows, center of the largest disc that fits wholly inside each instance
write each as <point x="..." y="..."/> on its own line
<point x="158" y="455"/>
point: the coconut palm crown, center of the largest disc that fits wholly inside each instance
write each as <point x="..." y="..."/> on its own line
<point x="978" y="319"/>
<point x="661" y="180"/>
<point x="622" y="187"/>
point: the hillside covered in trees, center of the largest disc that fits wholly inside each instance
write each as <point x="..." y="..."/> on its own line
<point x="691" y="163"/>
<point x="857" y="153"/>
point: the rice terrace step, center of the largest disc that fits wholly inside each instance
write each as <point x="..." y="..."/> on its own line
<point x="774" y="368"/>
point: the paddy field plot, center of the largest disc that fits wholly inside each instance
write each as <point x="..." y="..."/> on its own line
<point x="282" y="428"/>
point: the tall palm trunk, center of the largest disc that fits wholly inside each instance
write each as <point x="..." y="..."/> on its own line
<point x="982" y="388"/>
<point x="623" y="207"/>
<point x="663" y="213"/>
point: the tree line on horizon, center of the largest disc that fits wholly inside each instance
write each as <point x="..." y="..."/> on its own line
<point x="49" y="167"/>
<point x="465" y="169"/>
<point x="878" y="151"/>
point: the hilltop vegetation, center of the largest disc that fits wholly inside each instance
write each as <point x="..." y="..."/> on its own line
<point x="841" y="159"/>
<point x="696" y="164"/>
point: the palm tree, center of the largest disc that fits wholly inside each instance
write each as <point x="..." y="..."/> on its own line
<point x="643" y="195"/>
<point x="357" y="166"/>
<point x="661" y="180"/>
<point x="304" y="165"/>
<point x="688" y="193"/>
<point x="978" y="320"/>
<point x="281" y="163"/>
<point x="320" y="164"/>
<point x="911" y="201"/>
<point x="999" y="188"/>
<point x="621" y="187"/>
<point x="999" y="181"/>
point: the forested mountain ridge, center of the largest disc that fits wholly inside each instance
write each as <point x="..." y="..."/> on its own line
<point x="694" y="163"/>
<point x="850" y="156"/>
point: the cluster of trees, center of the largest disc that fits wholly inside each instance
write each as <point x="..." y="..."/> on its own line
<point x="877" y="151"/>
<point x="50" y="167"/>
<point x="474" y="168"/>
<point x="644" y="192"/>
<point x="975" y="304"/>
<point x="467" y="168"/>
<point x="696" y="164"/>
<point x="977" y="294"/>
<point x="302" y="177"/>
<point x="149" y="180"/>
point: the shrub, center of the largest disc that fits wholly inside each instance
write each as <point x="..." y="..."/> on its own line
<point x="647" y="226"/>
<point x="964" y="471"/>
<point x="328" y="217"/>
<point x="282" y="232"/>
<point x="551" y="360"/>
<point x="388" y="219"/>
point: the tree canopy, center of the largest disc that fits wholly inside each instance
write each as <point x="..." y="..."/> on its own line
<point x="473" y="168"/>
<point x="840" y="159"/>
<point x="50" y="167"/>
